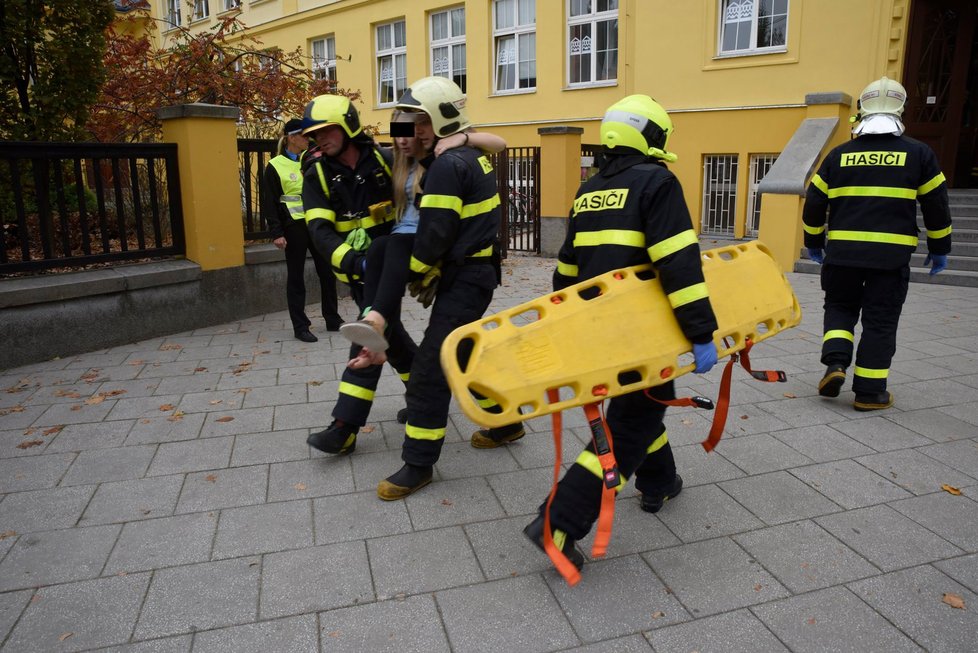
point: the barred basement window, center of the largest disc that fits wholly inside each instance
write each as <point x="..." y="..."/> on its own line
<point x="719" y="194"/>
<point x="759" y="166"/>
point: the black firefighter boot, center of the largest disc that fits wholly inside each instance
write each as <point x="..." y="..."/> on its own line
<point x="534" y="531"/>
<point x="338" y="438"/>
<point x="497" y="437"/>
<point x="405" y="481"/>
<point x="653" y="501"/>
<point x="832" y="382"/>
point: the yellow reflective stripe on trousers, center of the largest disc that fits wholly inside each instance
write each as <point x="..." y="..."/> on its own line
<point x="418" y="433"/>
<point x="609" y="237"/>
<point x="867" y="373"/>
<point x="404" y="376"/>
<point x="873" y="191"/>
<point x="449" y="202"/>
<point x="873" y="237"/>
<point x="939" y="233"/>
<point x="813" y="230"/>
<point x="567" y="269"/>
<point x="356" y="391"/>
<point x="482" y="253"/>
<point x="337" y="258"/>
<point x="658" y="443"/>
<point x="320" y="214"/>
<point x="932" y="184"/>
<point x="419" y="266"/>
<point x="688" y="295"/>
<point x="672" y="244"/>
<point x="590" y="462"/>
<point x="820" y="184"/>
<point x="837" y="333"/>
<point x="468" y="210"/>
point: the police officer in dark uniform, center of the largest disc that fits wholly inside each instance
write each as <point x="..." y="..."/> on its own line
<point x="347" y="196"/>
<point x="282" y="206"/>
<point x="630" y="213"/>
<point x="869" y="189"/>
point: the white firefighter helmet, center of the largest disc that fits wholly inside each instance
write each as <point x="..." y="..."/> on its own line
<point x="442" y="100"/>
<point x="883" y="96"/>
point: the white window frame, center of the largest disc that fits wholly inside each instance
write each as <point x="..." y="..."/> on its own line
<point x="453" y="65"/>
<point x="522" y="32"/>
<point x="324" y="61"/>
<point x="173" y="13"/>
<point x="587" y="46"/>
<point x="202" y="10"/>
<point x="231" y="4"/>
<point x="394" y="54"/>
<point x="749" y="11"/>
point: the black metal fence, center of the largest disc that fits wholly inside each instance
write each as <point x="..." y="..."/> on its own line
<point x="253" y="157"/>
<point x="75" y="204"/>
<point x="518" y="177"/>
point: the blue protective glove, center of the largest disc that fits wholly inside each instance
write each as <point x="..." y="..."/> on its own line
<point x="706" y="357"/>
<point x="937" y="262"/>
<point x="815" y="254"/>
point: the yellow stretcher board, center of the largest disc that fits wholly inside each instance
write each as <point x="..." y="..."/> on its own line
<point x="625" y="339"/>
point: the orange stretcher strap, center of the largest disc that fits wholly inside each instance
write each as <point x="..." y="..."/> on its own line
<point x="604" y="450"/>
<point x="561" y="562"/>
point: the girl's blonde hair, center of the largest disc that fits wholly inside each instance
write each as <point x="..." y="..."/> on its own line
<point x="402" y="168"/>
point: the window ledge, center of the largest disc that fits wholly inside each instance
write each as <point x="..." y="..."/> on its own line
<point x="522" y="91"/>
<point x="752" y="60"/>
<point x="580" y="87"/>
<point x="257" y="2"/>
<point x="199" y="21"/>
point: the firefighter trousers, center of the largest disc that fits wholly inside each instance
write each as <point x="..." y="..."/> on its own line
<point x="641" y="447"/>
<point x="878" y="295"/>
<point x="464" y="300"/>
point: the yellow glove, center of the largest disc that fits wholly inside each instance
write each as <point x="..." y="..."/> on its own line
<point x="425" y="289"/>
<point x="358" y="239"/>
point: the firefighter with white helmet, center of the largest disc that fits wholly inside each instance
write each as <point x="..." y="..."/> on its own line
<point x="631" y="212"/>
<point x="861" y="209"/>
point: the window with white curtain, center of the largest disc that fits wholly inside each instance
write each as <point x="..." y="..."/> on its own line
<point x="515" y="45"/>
<point x="753" y="26"/>
<point x="201" y="9"/>
<point x="391" y="62"/>
<point x="323" y="52"/>
<point x="592" y="41"/>
<point x="448" y="45"/>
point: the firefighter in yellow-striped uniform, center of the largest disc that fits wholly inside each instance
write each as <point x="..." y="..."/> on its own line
<point x="861" y="209"/>
<point x="455" y="263"/>
<point x="347" y="195"/>
<point x="632" y="212"/>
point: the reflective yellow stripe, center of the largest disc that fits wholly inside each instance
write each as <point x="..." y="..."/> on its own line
<point x="932" y="184"/>
<point x="320" y="214"/>
<point x="404" y="376"/>
<point x="322" y="180"/>
<point x="873" y="237"/>
<point x="590" y="462"/>
<point x="672" y="244"/>
<point x="482" y="253"/>
<point x="418" y="433"/>
<point x="873" y="191"/>
<point x="688" y="294"/>
<point x="419" y="266"/>
<point x="658" y="443"/>
<point x="609" y="237"/>
<point x="814" y="230"/>
<point x="838" y="333"/>
<point x="468" y="210"/>
<point x="567" y="269"/>
<point x="337" y="258"/>
<point x="820" y="184"/>
<point x="486" y="403"/>
<point x="449" y="202"/>
<point x="356" y="391"/>
<point x="867" y="373"/>
<point x="940" y="233"/>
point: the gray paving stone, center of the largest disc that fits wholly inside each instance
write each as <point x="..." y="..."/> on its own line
<point x="461" y="460"/>
<point x="72" y="393"/>
<point x="152" y="430"/>
<point x="263" y="529"/>
<point x="636" y="531"/>
<point x="358" y="516"/>
<point x="248" y="379"/>
<point x="180" y="644"/>
<point x="197" y="382"/>
<point x="421" y="562"/>
<point x="57" y="557"/>
<point x="11" y="605"/>
<point x="964" y="412"/>
<point x="778" y="497"/>
<point x="164" y="542"/>
<point x="314" y="415"/>
<point x="936" y="425"/>
<point x="915" y="472"/>
<point x="263" y="448"/>
<point x="870" y="532"/>
<point x="849" y="484"/>
<point x="200" y="597"/>
<point x="450" y="503"/>
<point x="119" y="464"/>
<point x="932" y="393"/>
<point x="144" y="407"/>
<point x="224" y="488"/>
<point x="882" y="434"/>
<point x="84" y="437"/>
<point x="912" y="600"/>
<point x="805" y="557"/>
<point x="42" y="510"/>
<point x="133" y="388"/>
<point x="33" y="472"/>
<point x="503" y="551"/>
<point x="822" y="443"/>
<point x="963" y="569"/>
<point x="505" y="615"/>
<point x="632" y="644"/>
<point x="130" y="500"/>
<point x="953" y="518"/>
<point x="714" y="576"/>
<point x="707" y="512"/>
<point x="303" y="479"/>
<point x="248" y="420"/>
<point x="78" y="412"/>
<point x="23" y="442"/>
<point x="803" y="411"/>
<point x="276" y="395"/>
<point x="211" y="402"/>
<point x="191" y="456"/>
<point x="961" y="455"/>
<point x="20" y="417"/>
<point x="831" y="620"/>
<point x="80" y="616"/>
<point x="643" y="601"/>
<point x="402" y="625"/>
<point x="295" y="635"/>
<point x="757" y="454"/>
<point x="370" y="468"/>
<point x="521" y="492"/>
<point x="315" y="579"/>
<point x="697" y="467"/>
<point x="734" y="632"/>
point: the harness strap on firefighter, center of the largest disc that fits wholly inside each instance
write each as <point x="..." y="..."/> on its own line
<point x="604" y="450"/>
<point x="562" y="563"/>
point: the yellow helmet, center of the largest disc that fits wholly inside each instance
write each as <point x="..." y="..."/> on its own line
<point x="325" y="110"/>
<point x="640" y="123"/>
<point x="442" y="100"/>
<point x="883" y="96"/>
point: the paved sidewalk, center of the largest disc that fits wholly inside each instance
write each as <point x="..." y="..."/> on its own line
<point x="160" y="497"/>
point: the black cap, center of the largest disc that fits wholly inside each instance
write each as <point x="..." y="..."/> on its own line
<point x="293" y="126"/>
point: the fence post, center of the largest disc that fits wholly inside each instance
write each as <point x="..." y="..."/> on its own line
<point x="207" y="154"/>
<point x="560" y="177"/>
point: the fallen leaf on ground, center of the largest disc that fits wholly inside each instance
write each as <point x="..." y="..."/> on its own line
<point x="175" y="417"/>
<point x="950" y="489"/>
<point x="211" y="478"/>
<point x="658" y="614"/>
<point x="226" y="418"/>
<point x="200" y="369"/>
<point x="953" y="600"/>
<point x="243" y="391"/>
<point x="758" y="587"/>
<point x="12" y="409"/>
<point x="4" y="535"/>
<point x="214" y="402"/>
<point x="315" y="382"/>
<point x="811" y="621"/>
<point x="446" y="502"/>
<point x="67" y="393"/>
<point x="744" y="417"/>
<point x="30" y="431"/>
<point x="65" y="636"/>
<point x="78" y="406"/>
<point x="790" y="395"/>
<point x="97" y="399"/>
<point x="27" y="444"/>
<point x="686" y="422"/>
<point x="300" y="487"/>
<point x="367" y="429"/>
<point x="112" y="393"/>
<point x="167" y="407"/>
<point x="170" y="347"/>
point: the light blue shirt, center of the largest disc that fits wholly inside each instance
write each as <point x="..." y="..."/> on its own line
<point x="409" y="221"/>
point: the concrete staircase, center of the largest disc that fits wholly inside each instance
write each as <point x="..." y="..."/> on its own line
<point x="962" y="264"/>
